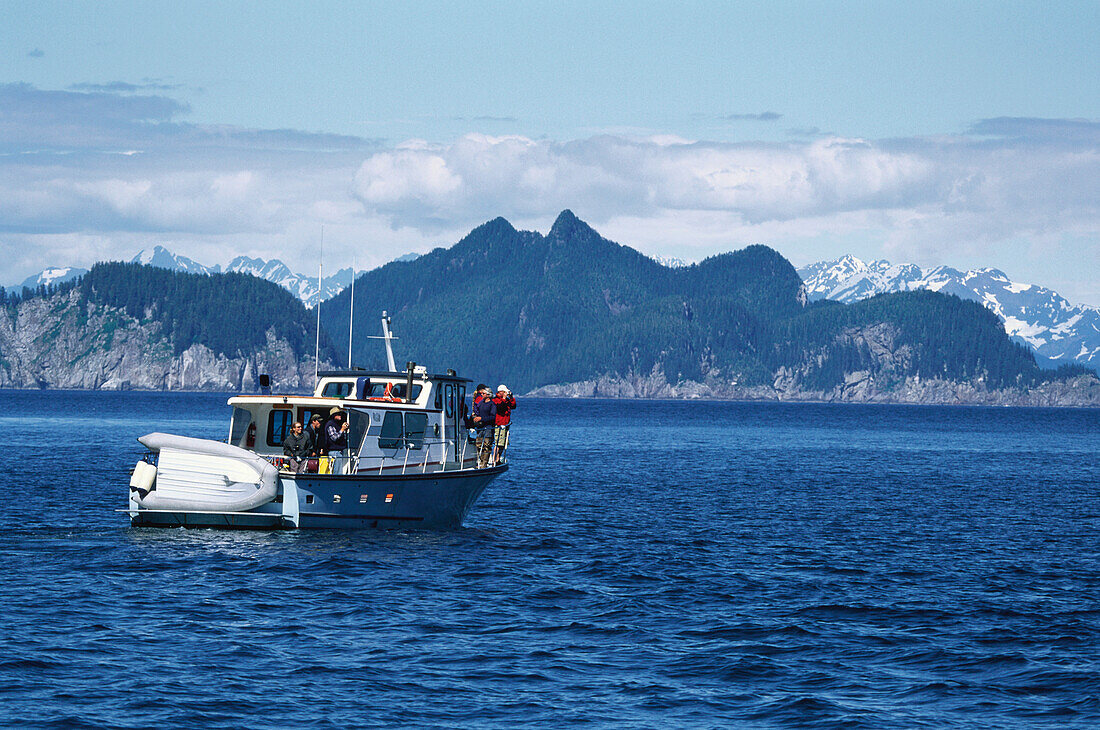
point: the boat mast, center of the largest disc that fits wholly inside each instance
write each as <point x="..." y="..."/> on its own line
<point x="387" y="336"/>
<point x="351" y="311"/>
<point x="317" y="345"/>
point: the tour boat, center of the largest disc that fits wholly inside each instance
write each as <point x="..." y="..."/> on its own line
<point x="410" y="462"/>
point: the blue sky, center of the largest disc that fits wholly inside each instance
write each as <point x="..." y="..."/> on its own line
<point x="965" y="134"/>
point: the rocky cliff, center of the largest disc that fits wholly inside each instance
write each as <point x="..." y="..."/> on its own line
<point x="65" y="341"/>
<point x="883" y="380"/>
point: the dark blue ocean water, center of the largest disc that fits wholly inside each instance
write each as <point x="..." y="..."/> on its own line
<point x="643" y="564"/>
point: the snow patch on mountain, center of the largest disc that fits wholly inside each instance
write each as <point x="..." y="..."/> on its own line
<point x="302" y="286"/>
<point x="1038" y="317"/>
<point x="671" y="262"/>
<point x="55" y="275"/>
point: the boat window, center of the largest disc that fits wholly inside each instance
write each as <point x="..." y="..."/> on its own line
<point x="304" y="414"/>
<point x="438" y="398"/>
<point x="238" y="427"/>
<point x="278" y="426"/>
<point x="378" y="390"/>
<point x="338" y="389"/>
<point x="392" y="434"/>
<point x="399" y="390"/>
<point x="450" y="400"/>
<point x="415" y="425"/>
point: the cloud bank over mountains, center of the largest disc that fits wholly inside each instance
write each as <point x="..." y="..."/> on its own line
<point x="105" y="172"/>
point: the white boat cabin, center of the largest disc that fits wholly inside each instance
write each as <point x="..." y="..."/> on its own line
<point x="399" y="422"/>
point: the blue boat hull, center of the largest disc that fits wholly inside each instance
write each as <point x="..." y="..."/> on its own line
<point x="434" y="501"/>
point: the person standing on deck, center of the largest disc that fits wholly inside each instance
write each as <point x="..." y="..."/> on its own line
<point x="484" y="419"/>
<point x="336" y="433"/>
<point x="314" y="430"/>
<point x="505" y="402"/>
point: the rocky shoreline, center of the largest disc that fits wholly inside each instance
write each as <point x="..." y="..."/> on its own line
<point x="62" y="343"/>
<point x="860" y="387"/>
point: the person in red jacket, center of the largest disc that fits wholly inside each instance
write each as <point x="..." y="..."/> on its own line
<point x="505" y="403"/>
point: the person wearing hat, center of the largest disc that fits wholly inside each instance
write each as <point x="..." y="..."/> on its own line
<point x="314" y="430"/>
<point x="485" y="414"/>
<point x="505" y="402"/>
<point x="336" y="432"/>
<point x="334" y="439"/>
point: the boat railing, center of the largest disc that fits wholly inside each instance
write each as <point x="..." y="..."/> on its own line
<point x="409" y="460"/>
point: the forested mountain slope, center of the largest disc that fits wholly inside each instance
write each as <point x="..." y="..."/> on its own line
<point x="135" y="326"/>
<point x="571" y="313"/>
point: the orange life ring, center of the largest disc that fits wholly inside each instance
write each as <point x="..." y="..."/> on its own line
<point x="388" y="395"/>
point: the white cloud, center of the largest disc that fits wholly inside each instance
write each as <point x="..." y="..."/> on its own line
<point x="227" y="190"/>
<point x="480" y="176"/>
<point x="391" y="178"/>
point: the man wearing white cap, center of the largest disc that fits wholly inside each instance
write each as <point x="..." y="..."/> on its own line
<point x="505" y="403"/>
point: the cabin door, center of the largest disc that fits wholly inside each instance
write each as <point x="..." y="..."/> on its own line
<point x="449" y="411"/>
<point x="460" y="419"/>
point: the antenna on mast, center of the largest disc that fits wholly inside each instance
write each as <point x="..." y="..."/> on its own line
<point x="351" y="311"/>
<point x="317" y="346"/>
<point x="387" y="336"/>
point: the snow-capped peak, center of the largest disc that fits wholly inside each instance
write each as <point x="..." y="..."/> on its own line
<point x="300" y="285"/>
<point x="1057" y="330"/>
<point x="165" y="259"/>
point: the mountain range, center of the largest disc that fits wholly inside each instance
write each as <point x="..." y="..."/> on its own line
<point x="1058" y="332"/>
<point x="571" y="313"/>
<point x="300" y="285"/>
<point x="565" y="313"/>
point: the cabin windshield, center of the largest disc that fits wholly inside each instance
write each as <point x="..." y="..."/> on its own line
<point x="238" y="426"/>
<point x="358" y="423"/>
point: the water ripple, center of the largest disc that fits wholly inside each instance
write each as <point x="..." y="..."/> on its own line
<point x="644" y="565"/>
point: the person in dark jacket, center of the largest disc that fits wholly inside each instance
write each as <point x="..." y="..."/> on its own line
<point x="485" y="418"/>
<point x="314" y="430"/>
<point x="336" y="433"/>
<point x="505" y="402"/>
<point x="296" y="447"/>
<point x="334" y="439"/>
